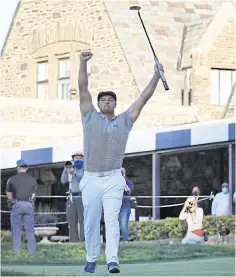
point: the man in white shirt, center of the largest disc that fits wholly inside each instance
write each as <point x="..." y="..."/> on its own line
<point x="194" y="217"/>
<point x="221" y="202"/>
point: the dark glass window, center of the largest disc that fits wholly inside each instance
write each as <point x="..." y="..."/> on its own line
<point x="180" y="172"/>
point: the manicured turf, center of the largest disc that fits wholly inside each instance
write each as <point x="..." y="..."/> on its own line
<point x="136" y="259"/>
<point x="199" y="267"/>
<point x="66" y="253"/>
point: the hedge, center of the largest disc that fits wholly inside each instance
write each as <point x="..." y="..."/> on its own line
<point x="163" y="228"/>
<point x="6" y="236"/>
<point x="175" y="228"/>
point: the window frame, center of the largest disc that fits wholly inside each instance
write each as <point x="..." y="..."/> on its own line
<point x="60" y="95"/>
<point x="218" y="95"/>
<point x="43" y="81"/>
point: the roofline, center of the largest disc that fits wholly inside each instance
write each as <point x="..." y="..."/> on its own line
<point x="10" y="27"/>
<point x="199" y="21"/>
<point x="185" y="30"/>
<point x="227" y="9"/>
<point x="179" y="62"/>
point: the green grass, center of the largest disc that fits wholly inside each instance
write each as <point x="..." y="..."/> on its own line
<point x="199" y="267"/>
<point x="131" y="253"/>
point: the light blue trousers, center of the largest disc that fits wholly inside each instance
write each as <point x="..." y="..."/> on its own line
<point x="191" y="239"/>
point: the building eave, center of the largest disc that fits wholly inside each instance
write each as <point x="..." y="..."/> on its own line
<point x="10" y="27"/>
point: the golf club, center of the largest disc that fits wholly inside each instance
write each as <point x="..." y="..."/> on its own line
<point x="138" y="8"/>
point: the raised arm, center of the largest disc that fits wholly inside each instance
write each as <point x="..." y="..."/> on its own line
<point x="84" y="94"/>
<point x="183" y="214"/>
<point x="136" y="108"/>
<point x="64" y="177"/>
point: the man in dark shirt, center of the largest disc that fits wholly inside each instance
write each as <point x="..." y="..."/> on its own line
<point x="21" y="189"/>
<point x="196" y="192"/>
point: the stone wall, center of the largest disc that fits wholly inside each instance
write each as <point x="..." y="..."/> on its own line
<point x="221" y="55"/>
<point x="164" y="21"/>
<point x="29" y="122"/>
<point x="48" y="30"/>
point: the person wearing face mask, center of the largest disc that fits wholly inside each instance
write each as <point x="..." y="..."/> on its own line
<point x="196" y="193"/>
<point x="74" y="205"/>
<point x="221" y="203"/>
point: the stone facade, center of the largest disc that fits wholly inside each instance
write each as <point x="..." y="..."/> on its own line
<point x="221" y="55"/>
<point x="46" y="30"/>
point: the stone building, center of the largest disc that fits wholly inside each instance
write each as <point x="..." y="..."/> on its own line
<point x="195" y="41"/>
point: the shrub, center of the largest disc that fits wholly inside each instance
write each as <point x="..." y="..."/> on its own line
<point x="6" y="236"/>
<point x="175" y="228"/>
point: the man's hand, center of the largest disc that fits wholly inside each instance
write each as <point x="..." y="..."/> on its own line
<point x="127" y="189"/>
<point x="161" y="68"/>
<point x="72" y="172"/>
<point x="85" y="56"/>
<point x="10" y="202"/>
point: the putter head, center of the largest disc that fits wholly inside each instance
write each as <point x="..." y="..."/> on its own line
<point x="135" y="8"/>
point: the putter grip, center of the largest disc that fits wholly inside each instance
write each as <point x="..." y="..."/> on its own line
<point x="161" y="74"/>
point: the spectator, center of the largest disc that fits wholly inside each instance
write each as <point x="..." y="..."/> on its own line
<point x="221" y="202"/>
<point x="74" y="208"/>
<point x="194" y="217"/>
<point x="21" y="191"/>
<point x="197" y="192"/>
<point x="125" y="210"/>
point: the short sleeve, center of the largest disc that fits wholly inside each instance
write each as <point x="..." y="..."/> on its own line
<point x="86" y="118"/>
<point x="9" y="186"/>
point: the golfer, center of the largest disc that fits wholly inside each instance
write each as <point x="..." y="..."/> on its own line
<point x="102" y="186"/>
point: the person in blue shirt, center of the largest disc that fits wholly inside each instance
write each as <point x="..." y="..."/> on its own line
<point x="125" y="210"/>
